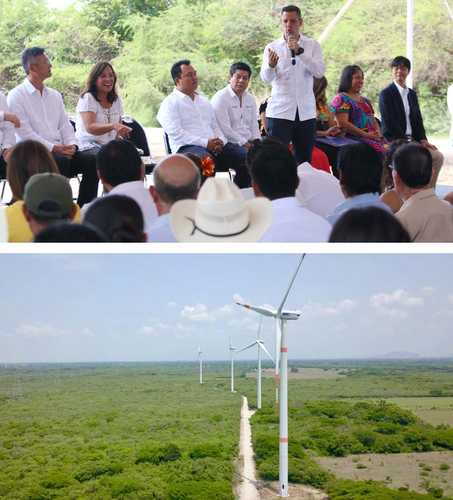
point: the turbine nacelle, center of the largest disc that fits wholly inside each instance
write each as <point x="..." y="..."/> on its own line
<point x="290" y="315"/>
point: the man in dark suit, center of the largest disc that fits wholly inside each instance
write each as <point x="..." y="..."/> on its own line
<point x="401" y="116"/>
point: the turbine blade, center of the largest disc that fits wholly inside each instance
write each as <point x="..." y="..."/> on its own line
<point x="263" y="347"/>
<point x="260" y="325"/>
<point x="247" y="347"/>
<point x="290" y="286"/>
<point x="265" y="311"/>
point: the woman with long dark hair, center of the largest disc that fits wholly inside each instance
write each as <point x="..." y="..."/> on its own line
<point x="354" y="112"/>
<point x="100" y="110"/>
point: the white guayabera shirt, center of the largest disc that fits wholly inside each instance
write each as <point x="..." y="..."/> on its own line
<point x="43" y="117"/>
<point x="292" y="85"/>
<point x="7" y="137"/>
<point x="187" y="121"/>
<point x="238" y="121"/>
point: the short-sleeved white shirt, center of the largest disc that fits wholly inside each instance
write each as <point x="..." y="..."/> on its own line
<point x="85" y="140"/>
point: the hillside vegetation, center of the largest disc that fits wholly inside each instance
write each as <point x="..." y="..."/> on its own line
<point x="144" y="37"/>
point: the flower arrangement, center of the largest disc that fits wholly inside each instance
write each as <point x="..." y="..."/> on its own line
<point x="207" y="167"/>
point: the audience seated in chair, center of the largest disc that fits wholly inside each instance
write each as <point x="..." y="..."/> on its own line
<point x="368" y="225"/>
<point x="318" y="191"/>
<point x="43" y="118"/>
<point x="220" y="214"/>
<point x="273" y="170"/>
<point x="100" y="110"/>
<point x="189" y="120"/>
<point x="25" y="160"/>
<point x="118" y="218"/>
<point x="67" y="232"/>
<point x="121" y="171"/>
<point x="360" y="169"/>
<point x="401" y="115"/>
<point x="235" y="108"/>
<point x="425" y="217"/>
<point x="47" y="200"/>
<point x="354" y="112"/>
<point x="389" y="195"/>
<point x="176" y="178"/>
<point x="8" y="121"/>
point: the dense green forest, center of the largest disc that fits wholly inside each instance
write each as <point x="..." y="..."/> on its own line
<point x="144" y="37"/>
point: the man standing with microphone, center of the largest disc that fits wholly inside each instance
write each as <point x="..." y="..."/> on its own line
<point x="289" y="65"/>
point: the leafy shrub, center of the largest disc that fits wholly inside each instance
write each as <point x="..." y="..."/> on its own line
<point x="358" y="490"/>
<point x="198" y="490"/>
<point x="54" y="480"/>
<point x="444" y="467"/>
<point x="443" y="438"/>
<point x="367" y="438"/>
<point x="307" y="471"/>
<point x="206" y="450"/>
<point x="265" y="446"/>
<point x="436" y="492"/>
<point x="418" y="441"/>
<point x="93" y="471"/>
<point x="158" y="455"/>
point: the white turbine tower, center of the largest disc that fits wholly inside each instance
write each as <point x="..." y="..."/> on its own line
<point x="232" y="349"/>
<point x="261" y="347"/>
<point x="200" y="360"/>
<point x="281" y="366"/>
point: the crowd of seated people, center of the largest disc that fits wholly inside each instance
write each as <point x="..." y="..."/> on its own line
<point x="384" y="176"/>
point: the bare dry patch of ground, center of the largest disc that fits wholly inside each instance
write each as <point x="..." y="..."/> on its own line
<point x="270" y="491"/>
<point x="304" y="374"/>
<point x="435" y="411"/>
<point x="415" y="471"/>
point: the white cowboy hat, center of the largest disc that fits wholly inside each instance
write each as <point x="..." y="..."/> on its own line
<point x="220" y="214"/>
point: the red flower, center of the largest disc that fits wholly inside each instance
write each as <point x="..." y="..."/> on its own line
<point x="208" y="166"/>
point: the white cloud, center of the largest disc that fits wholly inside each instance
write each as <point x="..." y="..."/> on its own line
<point x="86" y="332"/>
<point x="396" y="298"/>
<point x="148" y="331"/>
<point x="330" y="309"/>
<point x="40" y="331"/>
<point x="200" y="312"/>
<point x="238" y="298"/>
<point x="450" y="299"/>
<point x="428" y="290"/>
<point x="171" y="304"/>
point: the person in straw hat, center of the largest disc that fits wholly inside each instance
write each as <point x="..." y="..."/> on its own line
<point x="220" y="214"/>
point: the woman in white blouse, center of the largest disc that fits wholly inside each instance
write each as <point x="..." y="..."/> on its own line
<point x="99" y="110"/>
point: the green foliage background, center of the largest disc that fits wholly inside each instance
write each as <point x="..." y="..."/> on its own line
<point x="144" y="37"/>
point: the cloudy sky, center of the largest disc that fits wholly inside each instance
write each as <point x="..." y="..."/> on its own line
<point x="68" y="308"/>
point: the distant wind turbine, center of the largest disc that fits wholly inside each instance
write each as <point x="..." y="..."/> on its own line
<point x="281" y="317"/>
<point x="261" y="347"/>
<point x="200" y="359"/>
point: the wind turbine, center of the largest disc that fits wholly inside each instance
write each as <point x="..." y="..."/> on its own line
<point x="200" y="359"/>
<point x="261" y="347"/>
<point x="232" y="349"/>
<point x="281" y="317"/>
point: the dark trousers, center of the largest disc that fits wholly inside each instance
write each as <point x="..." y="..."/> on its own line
<point x="301" y="134"/>
<point x="2" y="167"/>
<point x="83" y="162"/>
<point x="232" y="156"/>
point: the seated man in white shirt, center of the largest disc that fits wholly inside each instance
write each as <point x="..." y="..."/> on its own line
<point x="318" y="191"/>
<point x="7" y="138"/>
<point x="273" y="170"/>
<point x="189" y="120"/>
<point x="235" y="108"/>
<point x="176" y="178"/>
<point x="43" y="118"/>
<point x="121" y="171"/>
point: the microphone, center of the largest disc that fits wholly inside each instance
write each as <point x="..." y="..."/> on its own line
<point x="293" y="57"/>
